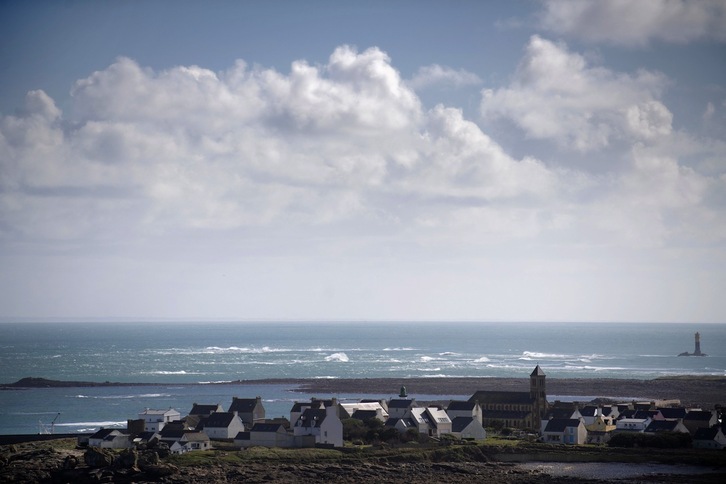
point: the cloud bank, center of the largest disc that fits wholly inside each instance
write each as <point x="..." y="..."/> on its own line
<point x="342" y="162"/>
<point x="627" y="23"/>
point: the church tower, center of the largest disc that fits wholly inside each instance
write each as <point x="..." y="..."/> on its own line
<point x="538" y="391"/>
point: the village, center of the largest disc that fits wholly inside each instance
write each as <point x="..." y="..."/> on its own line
<point x="322" y="422"/>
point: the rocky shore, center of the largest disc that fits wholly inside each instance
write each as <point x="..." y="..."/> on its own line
<point x="60" y="461"/>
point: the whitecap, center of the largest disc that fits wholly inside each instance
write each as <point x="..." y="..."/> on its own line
<point x="483" y="359"/>
<point x="91" y="424"/>
<point x="340" y="357"/>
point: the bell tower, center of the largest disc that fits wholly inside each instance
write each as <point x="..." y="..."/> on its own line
<point x="538" y="391"/>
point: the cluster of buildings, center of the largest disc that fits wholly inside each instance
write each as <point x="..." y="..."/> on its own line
<point x="319" y="422"/>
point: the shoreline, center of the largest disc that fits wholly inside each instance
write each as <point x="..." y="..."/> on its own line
<point x="705" y="391"/>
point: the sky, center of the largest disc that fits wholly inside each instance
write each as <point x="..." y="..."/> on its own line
<point x="412" y="160"/>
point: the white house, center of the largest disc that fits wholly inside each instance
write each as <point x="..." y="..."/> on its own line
<point x="110" y="439"/>
<point x="565" y="431"/>
<point x="223" y="425"/>
<point x="712" y="438"/>
<point x="400" y="407"/>
<point x="468" y="428"/>
<point x="322" y="423"/>
<point x="439" y="421"/>
<point x="632" y="424"/>
<point x="154" y="420"/>
<point x="464" y="408"/>
<point x="191" y="441"/>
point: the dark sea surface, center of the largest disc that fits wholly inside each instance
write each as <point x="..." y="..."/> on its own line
<point x="167" y="355"/>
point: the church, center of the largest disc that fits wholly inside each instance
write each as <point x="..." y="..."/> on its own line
<point x="519" y="410"/>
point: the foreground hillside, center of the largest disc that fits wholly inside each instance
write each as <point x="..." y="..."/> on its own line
<point x="495" y="461"/>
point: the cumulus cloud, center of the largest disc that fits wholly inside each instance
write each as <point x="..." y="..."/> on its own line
<point x="191" y="149"/>
<point x="441" y="75"/>
<point x="628" y="23"/>
<point x="556" y="95"/>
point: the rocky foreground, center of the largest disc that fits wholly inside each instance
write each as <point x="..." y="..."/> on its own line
<point x="61" y="462"/>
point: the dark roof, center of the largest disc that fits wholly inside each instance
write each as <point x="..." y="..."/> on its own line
<point x="242" y="436"/>
<point x="312" y="417"/>
<point x="588" y="411"/>
<point x="407" y="422"/>
<point x="700" y="415"/>
<point x="661" y="426"/>
<point x="560" y="424"/>
<point x="678" y="412"/>
<point x="201" y="409"/>
<point x="171" y="433"/>
<point x="219" y="420"/>
<point x="193" y="436"/>
<point x="460" y="423"/>
<point x="461" y="405"/>
<point x="706" y="433"/>
<point x="364" y="414"/>
<point x="488" y="397"/>
<point x="102" y="434"/>
<point x="266" y="427"/>
<point x="537" y="372"/>
<point x="560" y="413"/>
<point x="242" y="405"/>
<point x="400" y="403"/>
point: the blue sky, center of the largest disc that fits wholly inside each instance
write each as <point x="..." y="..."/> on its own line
<point x="506" y="161"/>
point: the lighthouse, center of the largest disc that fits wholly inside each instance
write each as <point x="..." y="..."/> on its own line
<point x="697" y="349"/>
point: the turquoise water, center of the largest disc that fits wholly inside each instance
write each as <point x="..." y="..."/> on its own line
<point x="165" y="354"/>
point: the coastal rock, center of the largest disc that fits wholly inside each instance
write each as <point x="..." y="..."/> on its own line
<point x="127" y="459"/>
<point x="97" y="458"/>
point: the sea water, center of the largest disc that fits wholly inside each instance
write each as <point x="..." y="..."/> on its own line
<point x="170" y="356"/>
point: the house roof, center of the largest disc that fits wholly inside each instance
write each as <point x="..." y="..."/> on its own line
<point x="705" y="433"/>
<point x="588" y="411"/>
<point x="103" y="433"/>
<point x="242" y="436"/>
<point x="492" y="397"/>
<point x="560" y="424"/>
<point x="196" y="437"/>
<point x="203" y="409"/>
<point x="537" y="372"/>
<point x="460" y="423"/>
<point x="559" y="413"/>
<point x="171" y="433"/>
<point x="266" y="427"/>
<point x="243" y="405"/>
<point x="406" y="422"/>
<point x="662" y="426"/>
<point x="699" y="415"/>
<point x="463" y="405"/>
<point x="678" y="412"/>
<point x="364" y="414"/>
<point x="399" y="403"/>
<point x="152" y="411"/>
<point x="312" y="417"/>
<point x="219" y="420"/>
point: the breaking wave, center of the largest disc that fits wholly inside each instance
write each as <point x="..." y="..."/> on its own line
<point x="340" y="357"/>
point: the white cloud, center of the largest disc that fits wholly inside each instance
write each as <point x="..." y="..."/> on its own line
<point x="442" y="75"/>
<point x="556" y="95"/>
<point x="188" y="148"/>
<point x="636" y="23"/>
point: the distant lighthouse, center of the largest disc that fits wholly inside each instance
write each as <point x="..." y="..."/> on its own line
<point x="697" y="350"/>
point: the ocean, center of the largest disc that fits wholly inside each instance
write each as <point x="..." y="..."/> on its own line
<point x="166" y="355"/>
